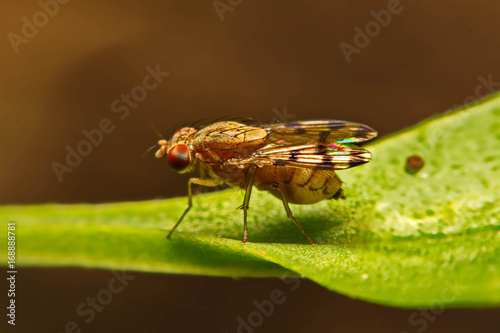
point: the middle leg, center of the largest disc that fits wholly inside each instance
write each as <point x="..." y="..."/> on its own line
<point x="250" y="178"/>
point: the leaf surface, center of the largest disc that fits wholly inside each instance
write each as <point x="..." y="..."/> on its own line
<point x="398" y="239"/>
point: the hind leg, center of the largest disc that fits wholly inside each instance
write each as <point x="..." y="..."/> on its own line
<point x="290" y="214"/>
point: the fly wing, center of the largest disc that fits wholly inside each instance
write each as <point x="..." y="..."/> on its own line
<point x="339" y="131"/>
<point x="319" y="144"/>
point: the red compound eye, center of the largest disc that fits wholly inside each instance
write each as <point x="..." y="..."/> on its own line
<point x="178" y="158"/>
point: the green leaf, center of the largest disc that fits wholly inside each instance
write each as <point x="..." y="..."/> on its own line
<point x="432" y="238"/>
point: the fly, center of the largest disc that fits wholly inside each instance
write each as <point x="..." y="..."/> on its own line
<point x="294" y="161"/>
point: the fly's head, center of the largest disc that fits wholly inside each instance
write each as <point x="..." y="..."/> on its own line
<point x="178" y="150"/>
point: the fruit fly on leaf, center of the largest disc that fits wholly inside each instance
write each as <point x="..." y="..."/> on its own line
<point x="294" y="161"/>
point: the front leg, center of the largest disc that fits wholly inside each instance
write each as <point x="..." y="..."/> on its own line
<point x="198" y="181"/>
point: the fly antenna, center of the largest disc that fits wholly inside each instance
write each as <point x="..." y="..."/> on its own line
<point x="149" y="149"/>
<point x="156" y="131"/>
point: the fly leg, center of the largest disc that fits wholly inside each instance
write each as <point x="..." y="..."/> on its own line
<point x="289" y="213"/>
<point x="250" y="178"/>
<point x="202" y="175"/>
<point x="198" y="181"/>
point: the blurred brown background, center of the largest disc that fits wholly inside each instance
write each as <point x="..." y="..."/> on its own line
<point x="60" y="73"/>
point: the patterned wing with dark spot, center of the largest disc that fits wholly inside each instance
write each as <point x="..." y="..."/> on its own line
<point x="326" y="131"/>
<point x="318" y="144"/>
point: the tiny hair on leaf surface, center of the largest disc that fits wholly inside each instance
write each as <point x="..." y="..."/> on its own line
<point x="398" y="239"/>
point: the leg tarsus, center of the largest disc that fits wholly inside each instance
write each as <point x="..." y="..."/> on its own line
<point x="290" y="214"/>
<point x="248" y="191"/>
<point x="199" y="181"/>
<point x="180" y="220"/>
